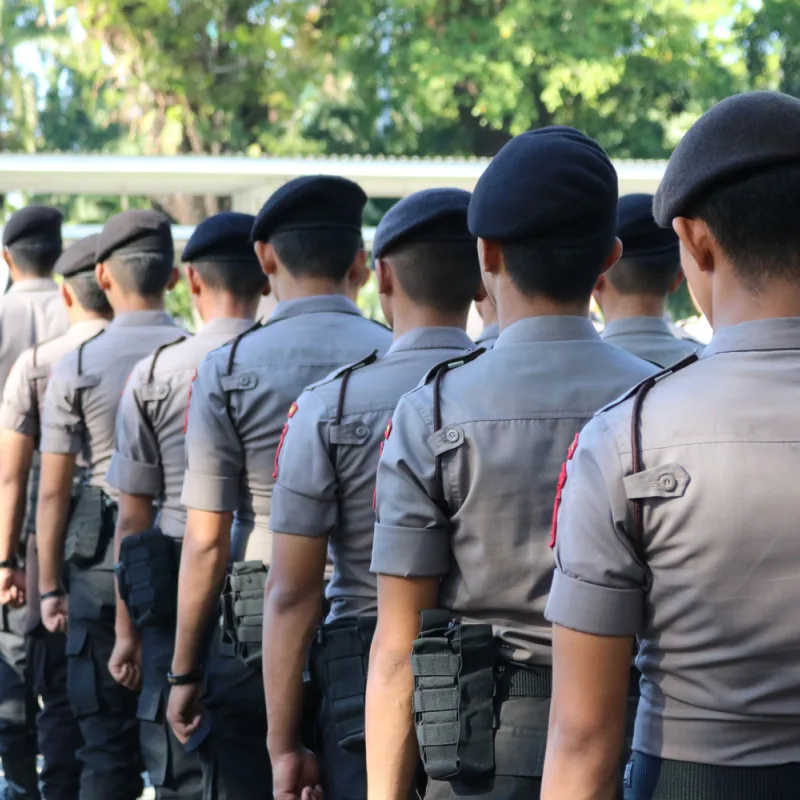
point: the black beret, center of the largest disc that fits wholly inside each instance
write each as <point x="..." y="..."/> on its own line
<point x="741" y="135"/>
<point x="34" y="223"/>
<point x="314" y="201"/>
<point x="554" y="185"/>
<point x="223" y="237"/>
<point x="78" y="257"/>
<point x="427" y="216"/>
<point x="640" y="234"/>
<point x="135" y="232"/>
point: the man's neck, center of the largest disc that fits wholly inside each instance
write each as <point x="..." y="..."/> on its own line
<point x="20" y="277"/>
<point x="633" y="305"/>
<point x="736" y="304"/>
<point x="226" y="307"/>
<point x="412" y="318"/>
<point x="77" y="315"/>
<point x="291" y="288"/>
<point x="512" y="306"/>
<point x="130" y="304"/>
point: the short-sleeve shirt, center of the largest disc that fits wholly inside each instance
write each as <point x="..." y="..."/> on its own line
<point x="30" y="312"/>
<point x="326" y="471"/>
<point x="150" y="457"/>
<point x="508" y="418"/>
<point x="649" y="338"/>
<point x="714" y="601"/>
<point x="240" y="401"/>
<point x="80" y="409"/>
<point x="488" y="336"/>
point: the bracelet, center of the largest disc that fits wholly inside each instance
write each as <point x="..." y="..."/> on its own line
<point x="9" y="563"/>
<point x="54" y="593"/>
<point x="188" y="678"/>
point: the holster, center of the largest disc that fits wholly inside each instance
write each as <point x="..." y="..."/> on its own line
<point x="339" y="659"/>
<point x="147" y="576"/>
<point x="243" y="610"/>
<point x="454" y="685"/>
<point x="90" y="527"/>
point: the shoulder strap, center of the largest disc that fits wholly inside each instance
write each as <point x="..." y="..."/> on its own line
<point x="641" y="393"/>
<point x="81" y="347"/>
<point x="157" y="353"/>
<point x="231" y="360"/>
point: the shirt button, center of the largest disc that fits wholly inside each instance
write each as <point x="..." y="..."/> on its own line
<point x="244" y="381"/>
<point x="452" y="436"/>
<point x="667" y="483"/>
<point x="362" y="430"/>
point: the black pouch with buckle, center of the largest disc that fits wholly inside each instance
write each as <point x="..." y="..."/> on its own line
<point x="90" y="528"/>
<point x="243" y="610"/>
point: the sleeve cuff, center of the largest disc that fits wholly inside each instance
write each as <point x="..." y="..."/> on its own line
<point x="210" y="493"/>
<point x="21" y="423"/>
<point x="133" y="477"/>
<point x="589" y="608"/>
<point x="299" y="514"/>
<point x="60" y="442"/>
<point x="410" y="552"/>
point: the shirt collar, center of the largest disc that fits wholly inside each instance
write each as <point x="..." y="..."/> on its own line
<point x="762" y="334"/>
<point x="319" y="304"/>
<point x="80" y="331"/>
<point x="489" y="332"/>
<point x="226" y="326"/>
<point x="547" y="329"/>
<point x="142" y="319"/>
<point x="33" y="285"/>
<point x="434" y="338"/>
<point x="622" y="327"/>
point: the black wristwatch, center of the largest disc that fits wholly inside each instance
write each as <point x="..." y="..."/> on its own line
<point x="188" y="678"/>
<point x="53" y="593"/>
<point x="9" y="563"/>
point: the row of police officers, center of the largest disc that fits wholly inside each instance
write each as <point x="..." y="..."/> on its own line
<point x="312" y="556"/>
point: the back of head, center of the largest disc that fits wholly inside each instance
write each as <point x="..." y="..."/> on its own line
<point x="549" y="197"/>
<point x="33" y="238"/>
<point x="77" y="267"/>
<point x="222" y="254"/>
<point x="138" y="247"/>
<point x="738" y="169"/>
<point x="426" y="241"/>
<point x="314" y="224"/>
<point x="650" y="262"/>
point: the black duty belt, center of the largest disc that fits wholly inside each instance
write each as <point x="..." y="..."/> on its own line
<point x="521" y="680"/>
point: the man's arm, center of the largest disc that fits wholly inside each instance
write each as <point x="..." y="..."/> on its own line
<point x="392" y="749"/>
<point x="585" y="739"/>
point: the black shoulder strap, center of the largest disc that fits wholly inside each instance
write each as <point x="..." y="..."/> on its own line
<point x="231" y="360"/>
<point x="158" y="352"/>
<point x="81" y="346"/>
<point x="636" y="443"/>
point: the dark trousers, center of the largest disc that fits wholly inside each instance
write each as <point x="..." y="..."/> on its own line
<point x="105" y="710"/>
<point x="58" y="731"/>
<point x="174" y="772"/>
<point x="18" y="708"/>
<point x="343" y="774"/>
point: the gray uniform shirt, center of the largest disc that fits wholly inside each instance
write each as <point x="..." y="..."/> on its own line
<point x="150" y="457"/>
<point x="650" y="338"/>
<point x="715" y="605"/>
<point x="239" y="407"/>
<point x="508" y="418"/>
<point x="80" y="411"/>
<point x="31" y="311"/>
<point x="326" y="473"/>
<point x="488" y="336"/>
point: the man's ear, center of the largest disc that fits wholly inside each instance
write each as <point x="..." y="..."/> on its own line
<point x="600" y="285"/>
<point x="358" y="274"/>
<point x="384" y="277"/>
<point x="614" y="256"/>
<point x="699" y="242"/>
<point x="174" y="277"/>
<point x="267" y="290"/>
<point x="193" y="280"/>
<point x="103" y="275"/>
<point x="66" y="295"/>
<point x="490" y="255"/>
<point x="265" y="253"/>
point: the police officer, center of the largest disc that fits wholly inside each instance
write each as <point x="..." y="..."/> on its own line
<point x="428" y="275"/>
<point x="307" y="239"/>
<point x="135" y="266"/>
<point x="684" y="493"/>
<point x="491" y="329"/>
<point x="20" y="429"/>
<point x="465" y="485"/>
<point x="633" y="294"/>
<point x="226" y="282"/>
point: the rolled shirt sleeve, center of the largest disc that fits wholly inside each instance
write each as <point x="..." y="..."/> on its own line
<point x="63" y="429"/>
<point x="19" y="409"/>
<point x="304" y="500"/>
<point x="412" y="533"/>
<point x="136" y="463"/>
<point x="214" y="455"/>
<point x="599" y="583"/>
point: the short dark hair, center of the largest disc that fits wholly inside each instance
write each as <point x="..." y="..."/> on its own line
<point x="755" y="222"/>
<point x="242" y="279"/>
<point x="564" y="273"/>
<point x="35" y="257"/>
<point x="88" y="293"/>
<point x="317" y="253"/>
<point x="145" y="274"/>
<point x="440" y="275"/>
<point x="652" y="276"/>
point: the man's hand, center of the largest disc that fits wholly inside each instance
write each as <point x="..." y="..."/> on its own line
<point x="295" y="776"/>
<point x="12" y="587"/>
<point x="184" y="710"/>
<point x="125" y="664"/>
<point x="54" y="614"/>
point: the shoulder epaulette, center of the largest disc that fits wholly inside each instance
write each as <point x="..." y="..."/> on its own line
<point x="234" y="343"/>
<point x="158" y="352"/>
<point x="364" y="362"/>
<point x="453" y="363"/>
<point x="81" y="348"/>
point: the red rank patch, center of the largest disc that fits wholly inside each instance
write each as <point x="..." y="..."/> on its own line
<point x="386" y="434"/>
<point x="292" y="412"/>
<point x="188" y="403"/>
<point x="562" y="479"/>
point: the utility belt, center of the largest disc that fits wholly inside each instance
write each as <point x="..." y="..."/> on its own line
<point x="243" y="611"/>
<point x="90" y="529"/>
<point x="338" y="662"/>
<point x="147" y="577"/>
